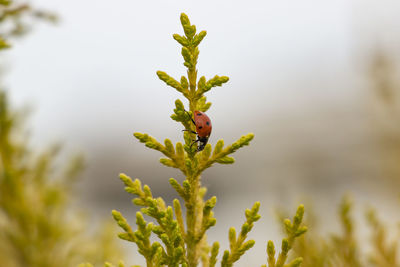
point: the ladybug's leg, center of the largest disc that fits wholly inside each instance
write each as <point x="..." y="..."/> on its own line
<point x="195" y="141"/>
<point x="189" y="131"/>
<point x="191" y="118"/>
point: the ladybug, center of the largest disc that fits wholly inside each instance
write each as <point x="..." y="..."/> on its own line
<point x="203" y="128"/>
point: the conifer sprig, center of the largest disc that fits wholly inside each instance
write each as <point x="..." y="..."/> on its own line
<point x="192" y="89"/>
<point x="346" y="245"/>
<point x="238" y="244"/>
<point x="177" y="158"/>
<point x="385" y="249"/>
<point x="293" y="230"/>
<point x="183" y="236"/>
<point x="167" y="229"/>
<point x="184" y="244"/>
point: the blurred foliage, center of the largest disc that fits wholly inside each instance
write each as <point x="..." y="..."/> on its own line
<point x="17" y="18"/>
<point x="385" y="84"/>
<point x="293" y="230"/>
<point x="345" y="249"/>
<point x="37" y="226"/>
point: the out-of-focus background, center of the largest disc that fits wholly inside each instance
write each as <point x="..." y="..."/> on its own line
<point x="316" y="81"/>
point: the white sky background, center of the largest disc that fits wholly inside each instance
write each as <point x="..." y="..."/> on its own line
<point x="100" y="62"/>
<point x="294" y="67"/>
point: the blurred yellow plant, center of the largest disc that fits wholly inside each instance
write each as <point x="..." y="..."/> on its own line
<point x="345" y="249"/>
<point x="37" y="226"/>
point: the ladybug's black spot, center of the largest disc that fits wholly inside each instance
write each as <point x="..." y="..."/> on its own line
<point x="198" y="114"/>
<point x="208" y="123"/>
<point x="200" y="127"/>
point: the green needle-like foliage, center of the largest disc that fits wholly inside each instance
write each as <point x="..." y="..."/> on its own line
<point x="293" y="229"/>
<point x="183" y="235"/>
<point x="313" y="249"/>
<point x="238" y="244"/>
<point x="182" y="244"/>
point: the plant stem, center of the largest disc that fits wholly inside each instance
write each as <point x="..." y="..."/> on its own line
<point x="192" y="214"/>
<point x="191" y="207"/>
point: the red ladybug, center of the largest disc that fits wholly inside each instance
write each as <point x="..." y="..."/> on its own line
<point x="203" y="128"/>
